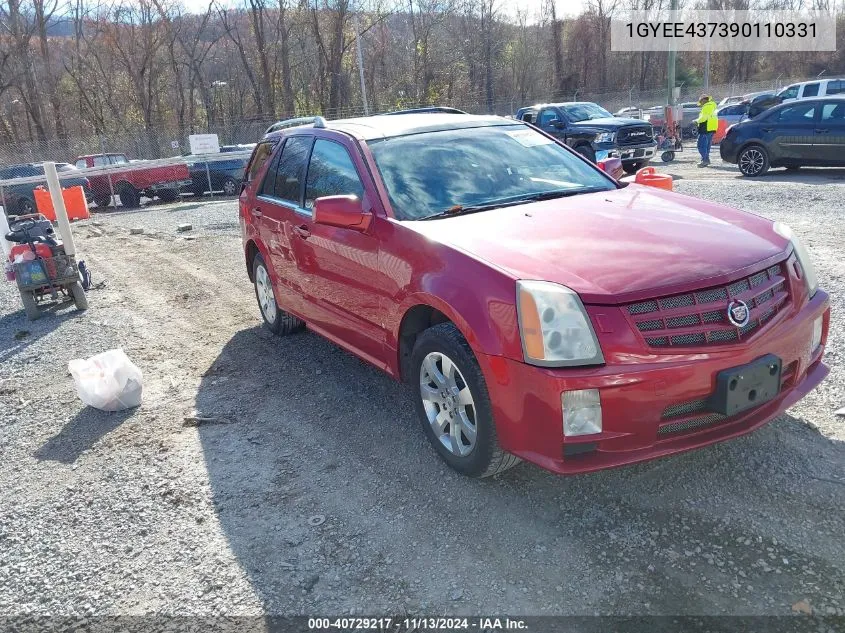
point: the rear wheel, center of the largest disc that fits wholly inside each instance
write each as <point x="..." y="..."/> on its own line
<point x="104" y="202"/>
<point x="587" y="152"/>
<point x="667" y="157"/>
<point x="129" y="197"/>
<point x="277" y="320"/>
<point x="79" y="297"/>
<point x="753" y="161"/>
<point x="453" y="403"/>
<point x="30" y="306"/>
<point x="230" y="187"/>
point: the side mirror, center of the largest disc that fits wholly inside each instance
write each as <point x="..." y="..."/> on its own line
<point x="557" y="124"/>
<point x="345" y="212"/>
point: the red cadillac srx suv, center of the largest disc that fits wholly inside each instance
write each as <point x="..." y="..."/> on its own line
<point x="539" y="309"/>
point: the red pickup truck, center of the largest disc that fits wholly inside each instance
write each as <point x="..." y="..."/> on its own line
<point x="133" y="179"/>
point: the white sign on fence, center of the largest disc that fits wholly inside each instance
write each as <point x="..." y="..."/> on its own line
<point x="204" y="143"/>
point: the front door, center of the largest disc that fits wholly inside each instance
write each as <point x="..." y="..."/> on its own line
<point x="551" y="122"/>
<point x="791" y="131"/>
<point x="345" y="285"/>
<point x="829" y="145"/>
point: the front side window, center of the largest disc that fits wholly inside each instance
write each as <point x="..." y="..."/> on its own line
<point x="118" y="159"/>
<point x="789" y="93"/>
<point x="331" y="173"/>
<point x="101" y="161"/>
<point x="436" y="172"/>
<point x="546" y="118"/>
<point x="81" y="164"/>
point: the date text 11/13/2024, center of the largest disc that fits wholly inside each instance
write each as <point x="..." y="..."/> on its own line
<point x="410" y="624"/>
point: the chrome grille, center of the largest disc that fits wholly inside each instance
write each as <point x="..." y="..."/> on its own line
<point x="635" y="134"/>
<point x="700" y="317"/>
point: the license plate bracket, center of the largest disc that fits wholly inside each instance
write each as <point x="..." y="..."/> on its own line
<point x="746" y="386"/>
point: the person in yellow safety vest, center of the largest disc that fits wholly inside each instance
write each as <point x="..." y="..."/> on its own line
<point x="708" y="123"/>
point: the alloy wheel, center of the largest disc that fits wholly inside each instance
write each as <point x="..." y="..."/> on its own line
<point x="230" y="187"/>
<point x="266" y="298"/>
<point x="751" y="161"/>
<point x="448" y="404"/>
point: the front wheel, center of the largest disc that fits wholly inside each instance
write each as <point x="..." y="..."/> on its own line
<point x="667" y="156"/>
<point x="130" y="198"/>
<point x="79" y="298"/>
<point x="753" y="161"/>
<point x="168" y="195"/>
<point x="30" y="305"/>
<point x="453" y="404"/>
<point x="633" y="168"/>
<point x="104" y="202"/>
<point x="277" y="320"/>
<point x="230" y="187"/>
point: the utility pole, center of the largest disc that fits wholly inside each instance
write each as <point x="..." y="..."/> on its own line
<point x="673" y="8"/>
<point x="707" y="68"/>
<point x="361" y="65"/>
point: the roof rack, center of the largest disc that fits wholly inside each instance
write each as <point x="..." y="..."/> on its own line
<point x="427" y="109"/>
<point x="319" y="122"/>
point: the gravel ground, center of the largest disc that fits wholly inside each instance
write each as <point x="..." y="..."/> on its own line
<point x="315" y="491"/>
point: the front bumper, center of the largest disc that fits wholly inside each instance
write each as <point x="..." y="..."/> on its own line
<point x="635" y="394"/>
<point x="727" y="150"/>
<point x="627" y="153"/>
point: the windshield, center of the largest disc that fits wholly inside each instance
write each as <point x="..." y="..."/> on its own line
<point x="585" y="111"/>
<point x="430" y="173"/>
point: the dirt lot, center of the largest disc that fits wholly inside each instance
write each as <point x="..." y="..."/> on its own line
<point x="316" y="492"/>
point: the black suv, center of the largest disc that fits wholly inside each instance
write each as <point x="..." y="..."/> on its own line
<point x="19" y="198"/>
<point x="631" y="140"/>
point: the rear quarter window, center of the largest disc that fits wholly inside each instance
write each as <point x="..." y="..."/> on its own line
<point x="262" y="152"/>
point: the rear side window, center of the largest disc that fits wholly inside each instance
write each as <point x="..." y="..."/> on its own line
<point x="291" y="169"/>
<point x="789" y="93"/>
<point x="81" y="164"/>
<point x="811" y="90"/>
<point x="835" y="87"/>
<point x="101" y="161"/>
<point x="118" y="159"/>
<point x="834" y="112"/>
<point x="331" y="172"/>
<point x="259" y="157"/>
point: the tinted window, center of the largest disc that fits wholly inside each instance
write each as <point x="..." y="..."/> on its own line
<point x="789" y="93"/>
<point x="259" y="157"/>
<point x="291" y="169"/>
<point x="118" y="159"/>
<point x="331" y="173"/>
<point x="431" y="172"/>
<point x="528" y="117"/>
<point x="811" y="90"/>
<point x="834" y="112"/>
<point x="800" y="112"/>
<point x="835" y="87"/>
<point x="269" y="185"/>
<point x="546" y="117"/>
<point x="81" y="164"/>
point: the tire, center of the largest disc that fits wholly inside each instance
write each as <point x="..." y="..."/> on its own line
<point x="633" y="168"/>
<point x="753" y="161"/>
<point x="33" y="313"/>
<point x="103" y="203"/>
<point x="277" y="320"/>
<point x="129" y="197"/>
<point x="479" y="456"/>
<point x="79" y="297"/>
<point x="26" y="206"/>
<point x="667" y="157"/>
<point x="587" y="152"/>
<point x="230" y="187"/>
<point x="168" y="195"/>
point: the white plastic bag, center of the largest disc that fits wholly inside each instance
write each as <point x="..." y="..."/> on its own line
<point x="107" y="381"/>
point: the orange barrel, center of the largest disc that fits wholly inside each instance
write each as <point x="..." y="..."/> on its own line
<point x="720" y="131"/>
<point x="649" y="176"/>
<point x="75" y="203"/>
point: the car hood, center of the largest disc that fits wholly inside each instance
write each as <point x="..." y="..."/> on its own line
<point x="615" y="246"/>
<point x="609" y="123"/>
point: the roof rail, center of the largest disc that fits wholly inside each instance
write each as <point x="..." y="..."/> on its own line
<point x="319" y="122"/>
<point x="426" y="109"/>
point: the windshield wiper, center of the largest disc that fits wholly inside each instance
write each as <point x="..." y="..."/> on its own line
<point x="510" y="201"/>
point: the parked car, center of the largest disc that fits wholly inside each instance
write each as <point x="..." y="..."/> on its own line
<point x="224" y="175"/>
<point x="733" y="113"/>
<point x="286" y="123"/>
<point x="731" y="100"/>
<point x="631" y="140"/>
<point x="631" y="112"/>
<point x="19" y="199"/>
<point x="538" y="309"/>
<point x="815" y="88"/>
<point x="132" y="179"/>
<point x="809" y="132"/>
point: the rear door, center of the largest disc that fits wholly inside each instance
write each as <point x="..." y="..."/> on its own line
<point x="345" y="285"/>
<point x="278" y="207"/>
<point x="829" y="146"/>
<point x="790" y="131"/>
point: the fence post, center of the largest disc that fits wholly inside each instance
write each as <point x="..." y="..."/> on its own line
<point x="111" y="184"/>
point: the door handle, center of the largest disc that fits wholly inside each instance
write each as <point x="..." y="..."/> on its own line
<point x="256" y="212"/>
<point x="302" y="231"/>
<point x="818" y="131"/>
<point x="767" y="129"/>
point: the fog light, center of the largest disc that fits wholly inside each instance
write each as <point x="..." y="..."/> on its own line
<point x="817" y="333"/>
<point x="581" y="412"/>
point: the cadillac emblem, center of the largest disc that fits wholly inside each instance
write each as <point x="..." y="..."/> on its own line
<point x="738" y="313"/>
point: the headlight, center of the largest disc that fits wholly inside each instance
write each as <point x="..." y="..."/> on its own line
<point x="606" y="137"/>
<point x="554" y="326"/>
<point x="801" y="253"/>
